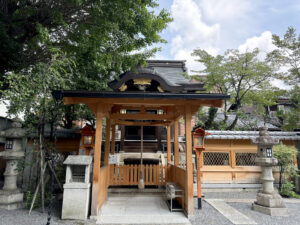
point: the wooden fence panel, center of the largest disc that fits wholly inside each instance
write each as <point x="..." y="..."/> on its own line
<point x="129" y="175"/>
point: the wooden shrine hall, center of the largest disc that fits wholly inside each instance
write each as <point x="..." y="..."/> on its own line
<point x="157" y="95"/>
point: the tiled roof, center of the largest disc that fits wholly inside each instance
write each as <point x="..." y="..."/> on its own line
<point x="246" y="135"/>
<point x="170" y="71"/>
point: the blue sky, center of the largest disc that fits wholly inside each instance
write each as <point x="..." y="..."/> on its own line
<point x="218" y="25"/>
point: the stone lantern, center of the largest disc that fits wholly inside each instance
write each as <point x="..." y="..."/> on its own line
<point x="268" y="201"/>
<point x="10" y="196"/>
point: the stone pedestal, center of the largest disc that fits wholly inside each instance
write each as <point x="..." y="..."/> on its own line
<point x="270" y="204"/>
<point x="11" y="199"/>
<point x="77" y="187"/>
<point x="267" y="201"/>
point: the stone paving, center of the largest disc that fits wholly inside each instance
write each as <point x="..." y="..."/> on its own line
<point x="239" y="201"/>
<point x="132" y="208"/>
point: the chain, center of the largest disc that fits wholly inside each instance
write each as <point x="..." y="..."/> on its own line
<point x="52" y="158"/>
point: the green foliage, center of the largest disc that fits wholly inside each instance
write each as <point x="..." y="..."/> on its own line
<point x="38" y="202"/>
<point x="102" y="37"/>
<point x="285" y="156"/>
<point x="241" y="75"/>
<point x="287" y="56"/>
<point x="206" y="120"/>
<point x="29" y="91"/>
<point x="287" y="190"/>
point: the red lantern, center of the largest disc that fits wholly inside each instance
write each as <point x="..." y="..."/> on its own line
<point x="198" y="146"/>
<point x="87" y="139"/>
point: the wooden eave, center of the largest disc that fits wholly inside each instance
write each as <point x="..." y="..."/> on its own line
<point x="110" y="103"/>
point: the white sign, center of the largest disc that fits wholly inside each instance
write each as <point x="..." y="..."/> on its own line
<point x="112" y="159"/>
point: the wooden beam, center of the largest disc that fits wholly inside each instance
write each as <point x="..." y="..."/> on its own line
<point x="139" y="123"/>
<point x="116" y="108"/>
<point x="176" y="144"/>
<point x="169" y="143"/>
<point x="146" y="102"/>
<point x="107" y="141"/>
<point x="140" y="116"/>
<point x="189" y="164"/>
<point x="113" y="133"/>
<point x="97" y="160"/>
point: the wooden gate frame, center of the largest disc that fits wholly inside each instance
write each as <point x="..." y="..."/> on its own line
<point x="108" y="105"/>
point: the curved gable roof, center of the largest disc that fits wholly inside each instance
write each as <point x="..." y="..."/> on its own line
<point x="167" y="72"/>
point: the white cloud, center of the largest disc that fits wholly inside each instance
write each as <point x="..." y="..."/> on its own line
<point x="262" y="42"/>
<point x="226" y="10"/>
<point x="191" y="32"/>
<point x="201" y="23"/>
<point x="3" y="109"/>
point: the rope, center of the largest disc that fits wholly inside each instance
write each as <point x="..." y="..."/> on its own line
<point x="52" y="158"/>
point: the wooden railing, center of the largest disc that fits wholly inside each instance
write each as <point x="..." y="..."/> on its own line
<point x="130" y="174"/>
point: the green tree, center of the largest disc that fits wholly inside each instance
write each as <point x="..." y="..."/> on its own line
<point x="287" y="54"/>
<point x="285" y="156"/>
<point x="69" y="44"/>
<point x="237" y="74"/>
<point x="287" y="58"/>
<point x="102" y="37"/>
<point x="29" y="93"/>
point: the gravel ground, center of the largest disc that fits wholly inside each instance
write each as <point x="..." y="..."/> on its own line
<point x="293" y="217"/>
<point x="21" y="217"/>
<point x="208" y="215"/>
<point x="231" y="195"/>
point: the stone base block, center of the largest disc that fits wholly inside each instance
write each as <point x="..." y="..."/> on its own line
<point x="273" y="200"/>
<point x="76" y="201"/>
<point x="270" y="211"/>
<point x="9" y="198"/>
<point x="12" y="206"/>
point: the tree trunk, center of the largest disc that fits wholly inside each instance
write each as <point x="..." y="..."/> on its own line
<point x="211" y="117"/>
<point x="225" y="112"/>
<point x="280" y="177"/>
<point x="233" y="124"/>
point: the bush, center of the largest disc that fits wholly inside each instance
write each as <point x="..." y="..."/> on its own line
<point x="285" y="156"/>
<point x="287" y="190"/>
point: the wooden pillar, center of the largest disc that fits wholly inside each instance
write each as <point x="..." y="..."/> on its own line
<point x="122" y="137"/>
<point x="176" y="144"/>
<point x="189" y="201"/>
<point x="232" y="159"/>
<point x="232" y="162"/>
<point x="97" y="160"/>
<point x="113" y="137"/>
<point x="107" y="141"/>
<point x="158" y="137"/>
<point x="169" y="143"/>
